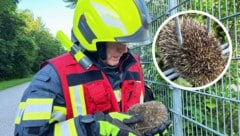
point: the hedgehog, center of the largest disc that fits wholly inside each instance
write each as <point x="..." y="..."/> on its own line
<point x="154" y="115"/>
<point x="199" y="59"/>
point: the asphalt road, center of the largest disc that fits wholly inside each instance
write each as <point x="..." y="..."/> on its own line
<point x="9" y="100"/>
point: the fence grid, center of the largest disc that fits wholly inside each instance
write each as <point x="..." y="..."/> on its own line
<point x="211" y="111"/>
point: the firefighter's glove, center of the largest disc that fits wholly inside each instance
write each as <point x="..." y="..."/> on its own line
<point x="162" y="130"/>
<point x="126" y="118"/>
<point x="115" y="123"/>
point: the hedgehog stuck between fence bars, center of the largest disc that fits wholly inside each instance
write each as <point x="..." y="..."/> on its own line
<point x="198" y="59"/>
<point x="154" y="115"/>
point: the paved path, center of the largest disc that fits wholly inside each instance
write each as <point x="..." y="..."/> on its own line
<point x="9" y="100"/>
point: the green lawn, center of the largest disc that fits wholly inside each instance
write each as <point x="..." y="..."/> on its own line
<point x="14" y="82"/>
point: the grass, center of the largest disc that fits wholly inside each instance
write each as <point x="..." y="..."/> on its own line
<point x="14" y="82"/>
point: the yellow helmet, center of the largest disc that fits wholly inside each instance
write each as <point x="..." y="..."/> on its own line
<point x="110" y="21"/>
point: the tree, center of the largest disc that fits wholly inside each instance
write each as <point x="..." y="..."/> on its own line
<point x="24" y="43"/>
<point x="72" y="3"/>
<point x="10" y="24"/>
<point x="46" y="45"/>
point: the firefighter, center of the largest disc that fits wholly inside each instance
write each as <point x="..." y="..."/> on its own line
<point x="70" y="98"/>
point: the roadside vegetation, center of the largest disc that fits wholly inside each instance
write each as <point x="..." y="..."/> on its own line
<point x="13" y="82"/>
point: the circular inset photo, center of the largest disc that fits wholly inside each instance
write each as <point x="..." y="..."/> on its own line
<point x="192" y="50"/>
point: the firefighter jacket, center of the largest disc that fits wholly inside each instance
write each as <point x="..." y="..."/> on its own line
<point x="62" y="91"/>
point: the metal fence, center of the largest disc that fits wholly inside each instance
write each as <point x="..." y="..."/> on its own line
<point x="212" y="111"/>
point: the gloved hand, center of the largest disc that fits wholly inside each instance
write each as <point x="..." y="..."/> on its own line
<point x="161" y="130"/>
<point x="115" y="123"/>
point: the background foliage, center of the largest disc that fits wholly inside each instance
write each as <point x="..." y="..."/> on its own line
<point x="24" y="42"/>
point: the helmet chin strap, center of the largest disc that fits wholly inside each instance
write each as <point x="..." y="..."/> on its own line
<point x="102" y="50"/>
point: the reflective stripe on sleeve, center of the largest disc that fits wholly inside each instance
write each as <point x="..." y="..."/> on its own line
<point x="20" y="111"/>
<point x="58" y="114"/>
<point x="118" y="95"/>
<point x="66" y="128"/>
<point x="78" y="100"/>
<point x="38" y="109"/>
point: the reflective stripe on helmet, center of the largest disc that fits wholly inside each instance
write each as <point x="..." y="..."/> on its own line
<point x="38" y="109"/>
<point x="20" y="111"/>
<point x="77" y="100"/>
<point x="66" y="128"/>
<point x="109" y="18"/>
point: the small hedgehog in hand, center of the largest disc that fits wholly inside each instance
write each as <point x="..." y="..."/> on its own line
<point x="154" y="115"/>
